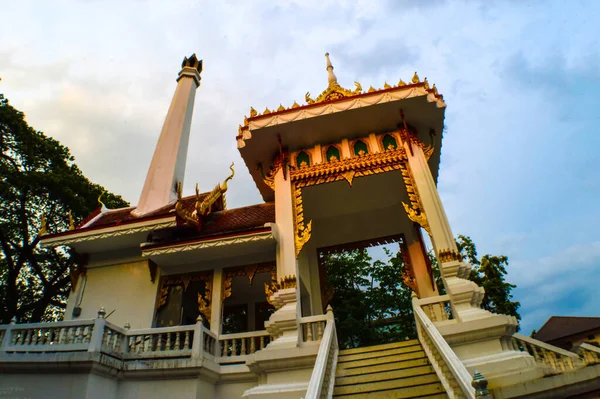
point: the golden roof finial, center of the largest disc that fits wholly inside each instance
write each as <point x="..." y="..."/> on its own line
<point x="331" y="76"/>
<point x="71" y="221"/>
<point x="103" y="207"/>
<point x="44" y="226"/>
<point x="415" y="78"/>
<point x="253" y="112"/>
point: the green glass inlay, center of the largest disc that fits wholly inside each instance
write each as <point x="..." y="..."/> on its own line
<point x="332" y="154"/>
<point x="302" y="159"/>
<point x="360" y="148"/>
<point x="389" y="143"/>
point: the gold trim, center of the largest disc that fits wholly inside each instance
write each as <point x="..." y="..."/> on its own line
<point x="449" y="255"/>
<point x="368" y="164"/>
<point x="204" y="207"/>
<point x="274" y="286"/>
<point x="408" y="273"/>
<point x="205" y="302"/>
<point x="415" y="211"/>
<point x="302" y="230"/>
<point x="247" y="270"/>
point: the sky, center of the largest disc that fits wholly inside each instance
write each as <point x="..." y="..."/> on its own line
<point x="520" y="78"/>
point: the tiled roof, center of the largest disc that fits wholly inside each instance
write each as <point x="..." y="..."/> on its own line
<point x="118" y="216"/>
<point x="229" y="221"/>
<point x="561" y="326"/>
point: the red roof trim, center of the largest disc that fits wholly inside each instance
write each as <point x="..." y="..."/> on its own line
<point x="208" y="238"/>
<point x="335" y="101"/>
<point x="106" y="226"/>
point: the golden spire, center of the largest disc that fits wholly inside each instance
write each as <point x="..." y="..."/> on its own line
<point x="331" y="76"/>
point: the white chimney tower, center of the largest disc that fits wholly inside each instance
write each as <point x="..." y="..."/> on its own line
<point x="168" y="163"/>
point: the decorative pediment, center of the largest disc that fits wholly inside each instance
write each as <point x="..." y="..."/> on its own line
<point x="203" y="205"/>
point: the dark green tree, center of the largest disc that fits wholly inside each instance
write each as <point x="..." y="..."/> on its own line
<point x="372" y="305"/>
<point x="489" y="272"/>
<point x="38" y="177"/>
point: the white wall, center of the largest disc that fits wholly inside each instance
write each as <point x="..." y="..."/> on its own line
<point x="125" y="288"/>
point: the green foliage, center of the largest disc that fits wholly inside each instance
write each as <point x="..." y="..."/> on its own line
<point x="371" y="304"/>
<point x="489" y="272"/>
<point x="38" y="177"/>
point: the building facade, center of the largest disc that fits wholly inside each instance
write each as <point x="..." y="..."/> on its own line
<point x="183" y="297"/>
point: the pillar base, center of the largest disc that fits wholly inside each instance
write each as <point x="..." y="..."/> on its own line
<point x="283" y="324"/>
<point x="481" y="344"/>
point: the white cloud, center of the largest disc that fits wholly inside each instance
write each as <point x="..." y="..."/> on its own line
<point x="516" y="161"/>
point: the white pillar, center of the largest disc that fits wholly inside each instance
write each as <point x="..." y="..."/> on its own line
<point x="283" y="324"/>
<point x="216" y="302"/>
<point x="167" y="168"/>
<point x="477" y="336"/>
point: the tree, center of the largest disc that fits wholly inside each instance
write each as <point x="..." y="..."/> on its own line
<point x="489" y="272"/>
<point x="372" y="305"/>
<point x="38" y="178"/>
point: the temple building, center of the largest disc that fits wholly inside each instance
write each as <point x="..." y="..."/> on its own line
<point x="183" y="297"/>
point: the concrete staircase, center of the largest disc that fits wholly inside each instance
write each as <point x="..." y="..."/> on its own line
<point x="398" y="370"/>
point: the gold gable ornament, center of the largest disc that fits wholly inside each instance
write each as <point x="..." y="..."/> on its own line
<point x="201" y="208"/>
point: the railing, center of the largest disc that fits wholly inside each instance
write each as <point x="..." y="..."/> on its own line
<point x="553" y="359"/>
<point x="590" y="354"/>
<point x="98" y="335"/>
<point x="160" y="342"/>
<point x="234" y="348"/>
<point x="323" y="376"/>
<point x="44" y="337"/>
<point x="313" y="327"/>
<point x="452" y="373"/>
<point x="437" y="308"/>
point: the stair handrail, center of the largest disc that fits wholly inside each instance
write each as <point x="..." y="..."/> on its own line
<point x="555" y="360"/>
<point x="430" y="336"/>
<point x="322" y="379"/>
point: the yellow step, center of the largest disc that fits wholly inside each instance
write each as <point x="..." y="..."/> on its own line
<point x="426" y="391"/>
<point x="405" y="388"/>
<point x="384" y="376"/>
<point x="380" y="360"/>
<point x="347" y="372"/>
<point x="381" y="353"/>
<point x="372" y="348"/>
<point x="372" y="387"/>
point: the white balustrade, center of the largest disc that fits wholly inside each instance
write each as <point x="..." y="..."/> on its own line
<point x="590" y="354"/>
<point x="313" y="327"/>
<point x="48" y="337"/>
<point x="452" y="373"/>
<point x="236" y="347"/>
<point x="163" y="342"/>
<point x="323" y="376"/>
<point x="553" y="359"/>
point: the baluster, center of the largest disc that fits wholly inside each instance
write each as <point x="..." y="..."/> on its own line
<point x="37" y="336"/>
<point x="117" y="342"/>
<point x="262" y="342"/>
<point x="168" y="342"/>
<point x="186" y="341"/>
<point x="27" y="337"/>
<point x="252" y="345"/>
<point x="243" y="348"/>
<point x="131" y="343"/>
<point x="309" y="333"/>
<point x="225" y="349"/>
<point x="51" y="336"/>
<point x="16" y="336"/>
<point x="320" y="328"/>
<point x="234" y="346"/>
<point x="106" y="337"/>
<point x="138" y="340"/>
<point x="177" y="340"/>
